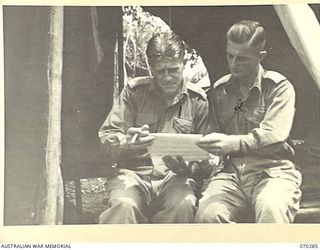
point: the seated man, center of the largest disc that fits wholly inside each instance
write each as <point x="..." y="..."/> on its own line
<point x="162" y="103"/>
<point x="254" y="109"/>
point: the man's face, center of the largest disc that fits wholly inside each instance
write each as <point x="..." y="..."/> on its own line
<point x="243" y="59"/>
<point x="169" y="75"/>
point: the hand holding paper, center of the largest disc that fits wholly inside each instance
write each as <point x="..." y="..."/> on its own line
<point x="219" y="144"/>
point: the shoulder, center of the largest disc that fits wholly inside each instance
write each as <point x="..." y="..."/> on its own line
<point x="222" y="81"/>
<point x="276" y="81"/>
<point x="196" y="90"/>
<point x="278" y="85"/>
<point x="136" y="88"/>
<point x="274" y="76"/>
<point x="140" y="82"/>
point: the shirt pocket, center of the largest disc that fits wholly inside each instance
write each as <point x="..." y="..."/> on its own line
<point x="254" y="117"/>
<point x="226" y="117"/>
<point x="183" y="125"/>
<point x="147" y="118"/>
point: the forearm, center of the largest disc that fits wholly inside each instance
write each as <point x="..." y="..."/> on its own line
<point x="252" y="144"/>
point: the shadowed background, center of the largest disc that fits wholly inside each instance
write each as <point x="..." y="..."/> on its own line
<point x="88" y="91"/>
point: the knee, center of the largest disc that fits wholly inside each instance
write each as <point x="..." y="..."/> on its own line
<point x="186" y="206"/>
<point x="212" y="213"/>
<point x="272" y="209"/>
<point x="124" y="204"/>
<point x="182" y="212"/>
<point x="182" y="207"/>
<point x="271" y="203"/>
<point x="123" y="210"/>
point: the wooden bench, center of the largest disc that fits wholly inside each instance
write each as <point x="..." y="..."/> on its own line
<point x="308" y="157"/>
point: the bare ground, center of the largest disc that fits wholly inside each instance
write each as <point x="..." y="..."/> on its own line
<point x="94" y="198"/>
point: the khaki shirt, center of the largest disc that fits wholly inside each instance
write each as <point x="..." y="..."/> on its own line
<point x="261" y="123"/>
<point x="140" y="103"/>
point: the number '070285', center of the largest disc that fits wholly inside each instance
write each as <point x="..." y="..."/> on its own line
<point x="308" y="246"/>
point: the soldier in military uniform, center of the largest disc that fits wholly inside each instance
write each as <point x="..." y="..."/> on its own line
<point x="162" y="103"/>
<point x="254" y="109"/>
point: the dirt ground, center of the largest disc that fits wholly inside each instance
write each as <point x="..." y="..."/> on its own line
<point x="94" y="197"/>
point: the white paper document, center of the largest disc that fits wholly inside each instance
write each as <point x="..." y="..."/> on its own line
<point x="174" y="145"/>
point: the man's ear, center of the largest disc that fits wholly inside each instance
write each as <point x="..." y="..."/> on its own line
<point x="262" y="54"/>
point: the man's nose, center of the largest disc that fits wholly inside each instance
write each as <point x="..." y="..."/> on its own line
<point x="233" y="61"/>
<point x="167" y="76"/>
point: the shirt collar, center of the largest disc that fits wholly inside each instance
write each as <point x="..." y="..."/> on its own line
<point x="258" y="79"/>
<point x="231" y="84"/>
<point x="183" y="91"/>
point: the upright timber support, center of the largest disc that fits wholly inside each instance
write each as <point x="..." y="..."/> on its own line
<point x="51" y="213"/>
<point x="121" y="55"/>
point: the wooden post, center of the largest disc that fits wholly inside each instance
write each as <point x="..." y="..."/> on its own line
<point x="121" y="55"/>
<point x="51" y="212"/>
<point x="116" y="73"/>
<point x="60" y="199"/>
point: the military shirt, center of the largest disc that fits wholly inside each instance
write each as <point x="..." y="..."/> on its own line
<point x="140" y="103"/>
<point x="261" y="123"/>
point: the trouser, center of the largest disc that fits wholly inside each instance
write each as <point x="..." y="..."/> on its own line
<point x="134" y="199"/>
<point x="271" y="195"/>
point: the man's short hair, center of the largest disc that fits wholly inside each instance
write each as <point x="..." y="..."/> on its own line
<point x="166" y="44"/>
<point x="247" y="31"/>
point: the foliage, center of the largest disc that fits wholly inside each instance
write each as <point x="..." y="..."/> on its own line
<point x="138" y="27"/>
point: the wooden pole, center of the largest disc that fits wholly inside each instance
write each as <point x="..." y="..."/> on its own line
<point x="121" y="55"/>
<point x="51" y="211"/>
<point x="60" y="199"/>
<point x="116" y="73"/>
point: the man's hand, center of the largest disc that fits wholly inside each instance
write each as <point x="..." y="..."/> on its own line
<point x="219" y="144"/>
<point x="128" y="145"/>
<point x="177" y="165"/>
<point x="139" y="138"/>
<point x="206" y="168"/>
<point x="195" y="169"/>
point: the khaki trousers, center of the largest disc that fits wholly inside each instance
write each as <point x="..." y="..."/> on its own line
<point x="271" y="195"/>
<point x="134" y="199"/>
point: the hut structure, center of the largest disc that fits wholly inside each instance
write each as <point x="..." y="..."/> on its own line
<point x="60" y="69"/>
